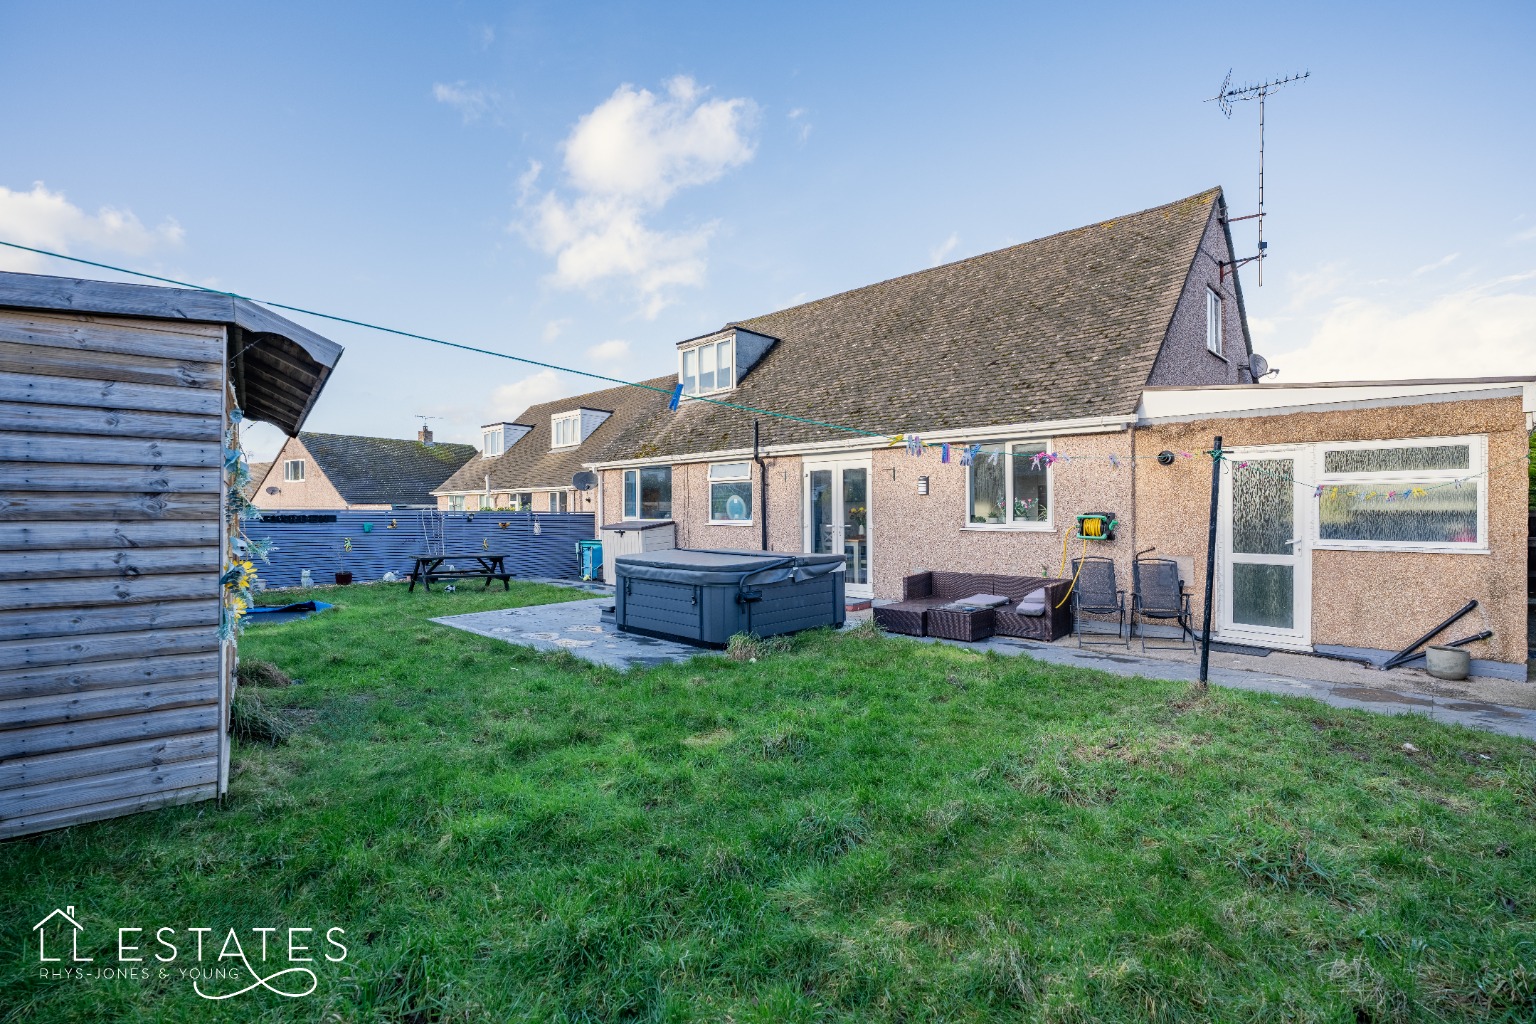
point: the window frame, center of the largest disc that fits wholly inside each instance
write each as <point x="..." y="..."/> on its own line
<point x="624" y="494"/>
<point x="572" y="420"/>
<point x="729" y="342"/>
<point x="745" y="476"/>
<point x="1048" y="525"/>
<point x="289" y="478"/>
<point x="1477" y="462"/>
<point x="500" y="436"/>
<point x="1215" y="336"/>
<point x="455" y="503"/>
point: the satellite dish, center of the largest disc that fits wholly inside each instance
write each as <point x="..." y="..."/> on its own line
<point x="273" y="490"/>
<point x="1258" y="366"/>
<point x="584" y="481"/>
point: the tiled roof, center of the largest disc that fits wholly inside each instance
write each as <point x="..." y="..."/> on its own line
<point x="258" y="474"/>
<point x="531" y="463"/>
<point x="1064" y="327"/>
<point x="384" y="470"/>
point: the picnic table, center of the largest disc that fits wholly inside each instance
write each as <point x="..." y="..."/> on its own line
<point x="487" y="566"/>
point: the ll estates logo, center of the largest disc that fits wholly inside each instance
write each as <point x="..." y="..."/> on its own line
<point x="218" y="963"/>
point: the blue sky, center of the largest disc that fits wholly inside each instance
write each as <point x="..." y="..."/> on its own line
<point x="699" y="163"/>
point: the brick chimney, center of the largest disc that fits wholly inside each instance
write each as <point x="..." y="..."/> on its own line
<point x="424" y="435"/>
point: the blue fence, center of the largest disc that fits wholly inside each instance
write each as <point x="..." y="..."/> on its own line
<point x="535" y="543"/>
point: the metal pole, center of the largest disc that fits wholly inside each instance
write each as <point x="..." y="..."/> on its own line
<point x="1261" y="191"/>
<point x="1210" y="565"/>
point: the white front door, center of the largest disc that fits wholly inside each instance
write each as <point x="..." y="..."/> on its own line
<point x="1265" y="573"/>
<point x="837" y="516"/>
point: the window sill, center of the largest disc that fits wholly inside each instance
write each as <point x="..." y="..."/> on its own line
<point x="1402" y="549"/>
<point x="1009" y="527"/>
<point x="728" y="522"/>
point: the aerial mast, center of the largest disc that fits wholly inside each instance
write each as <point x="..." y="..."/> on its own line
<point x="1224" y="98"/>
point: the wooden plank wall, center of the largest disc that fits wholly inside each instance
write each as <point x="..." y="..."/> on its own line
<point x="111" y="436"/>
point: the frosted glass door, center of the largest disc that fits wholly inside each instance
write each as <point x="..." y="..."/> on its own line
<point x="1264" y="561"/>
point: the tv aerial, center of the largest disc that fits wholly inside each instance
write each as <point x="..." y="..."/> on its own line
<point x="1224" y="98"/>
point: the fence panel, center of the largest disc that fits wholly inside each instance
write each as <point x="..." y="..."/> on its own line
<point x="535" y="543"/>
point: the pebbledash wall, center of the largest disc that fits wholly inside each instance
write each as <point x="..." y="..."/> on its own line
<point x="690" y="506"/>
<point x="1376" y="599"/>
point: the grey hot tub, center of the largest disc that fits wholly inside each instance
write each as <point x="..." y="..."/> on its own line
<point x="703" y="597"/>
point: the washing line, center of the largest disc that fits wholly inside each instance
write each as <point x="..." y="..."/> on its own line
<point x="913" y="442"/>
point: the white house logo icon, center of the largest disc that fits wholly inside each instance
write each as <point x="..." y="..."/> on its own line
<point x="44" y="926"/>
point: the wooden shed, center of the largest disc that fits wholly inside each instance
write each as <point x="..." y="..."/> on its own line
<point x="117" y="522"/>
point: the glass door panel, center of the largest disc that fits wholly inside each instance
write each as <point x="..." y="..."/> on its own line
<point x="855" y="518"/>
<point x="1265" y="571"/>
<point x="819" y="494"/>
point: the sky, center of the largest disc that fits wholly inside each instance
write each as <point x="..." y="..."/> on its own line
<point x="588" y="184"/>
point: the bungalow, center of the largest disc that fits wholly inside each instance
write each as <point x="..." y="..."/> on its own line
<point x="344" y="471"/>
<point x="530" y="464"/>
<point x="1089" y="372"/>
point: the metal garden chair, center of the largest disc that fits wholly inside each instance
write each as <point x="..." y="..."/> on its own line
<point x="1096" y="593"/>
<point x="1159" y="594"/>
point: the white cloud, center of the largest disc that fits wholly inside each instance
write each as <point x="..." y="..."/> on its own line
<point x="555" y="328"/>
<point x="937" y="254"/>
<point x="802" y="127"/>
<point x="472" y="102"/>
<point x="624" y="161"/>
<point x="1472" y="332"/>
<point x="508" y="400"/>
<point x="608" y="351"/>
<point x="487" y="36"/>
<point x="47" y="220"/>
<point x="1443" y="261"/>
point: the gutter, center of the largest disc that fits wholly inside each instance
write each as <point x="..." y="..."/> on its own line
<point x="1008" y="432"/>
<point x="762" y="472"/>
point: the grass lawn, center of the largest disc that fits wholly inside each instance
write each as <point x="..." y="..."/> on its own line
<point x="850" y="828"/>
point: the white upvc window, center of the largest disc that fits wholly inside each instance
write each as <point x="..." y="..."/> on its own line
<point x="1418" y="494"/>
<point x="708" y="368"/>
<point x="485" y="502"/>
<point x="565" y="429"/>
<point x="293" y="470"/>
<point x="730" y="494"/>
<point x="1213" y="321"/>
<point x="455" y="503"/>
<point x="648" y="493"/>
<point x="1009" y="487"/>
<point x="559" y="501"/>
<point x="490" y="443"/>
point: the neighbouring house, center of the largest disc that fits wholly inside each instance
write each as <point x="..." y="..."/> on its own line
<point x="118" y="522"/>
<point x="344" y="471"/>
<point x="258" y="474"/>
<point x="1057" y="371"/>
<point x="529" y="465"/>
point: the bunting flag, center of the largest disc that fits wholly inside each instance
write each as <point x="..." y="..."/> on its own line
<point x="914" y="446"/>
<point x="677" y="397"/>
<point x="944" y="452"/>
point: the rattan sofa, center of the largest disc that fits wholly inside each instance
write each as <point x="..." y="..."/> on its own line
<point x="926" y="591"/>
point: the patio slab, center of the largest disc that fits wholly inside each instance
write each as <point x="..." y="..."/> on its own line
<point x="575" y="626"/>
<point x="578" y="627"/>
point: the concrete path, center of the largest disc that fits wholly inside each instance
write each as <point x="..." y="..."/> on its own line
<point x="578" y="627"/>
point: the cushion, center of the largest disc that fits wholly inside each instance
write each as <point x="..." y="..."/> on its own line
<point x="982" y="601"/>
<point x="1033" y="604"/>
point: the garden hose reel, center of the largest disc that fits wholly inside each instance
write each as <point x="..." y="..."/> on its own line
<point x="1096" y="526"/>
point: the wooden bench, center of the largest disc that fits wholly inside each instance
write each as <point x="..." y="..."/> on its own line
<point x="487" y="567"/>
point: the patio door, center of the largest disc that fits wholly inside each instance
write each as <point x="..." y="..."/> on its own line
<point x="837" y="517"/>
<point x="1265" y="573"/>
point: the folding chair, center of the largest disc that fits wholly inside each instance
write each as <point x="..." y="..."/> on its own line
<point x="1096" y="593"/>
<point x="1159" y="594"/>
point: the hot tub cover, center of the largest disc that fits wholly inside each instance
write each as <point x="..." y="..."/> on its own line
<point x="694" y="565"/>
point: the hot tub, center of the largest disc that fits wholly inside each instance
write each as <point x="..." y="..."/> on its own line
<point x="706" y="596"/>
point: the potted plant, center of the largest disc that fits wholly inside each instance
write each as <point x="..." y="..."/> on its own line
<point x="344" y="575"/>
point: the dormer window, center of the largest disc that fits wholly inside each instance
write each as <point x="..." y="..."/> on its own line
<point x="496" y="438"/>
<point x="565" y="429"/>
<point x="709" y="367"/>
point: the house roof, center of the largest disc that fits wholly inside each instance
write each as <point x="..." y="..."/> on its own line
<point x="384" y="470"/>
<point x="276" y="366"/>
<point x="531" y="463"/>
<point x="1064" y="327"/>
<point x="258" y="474"/>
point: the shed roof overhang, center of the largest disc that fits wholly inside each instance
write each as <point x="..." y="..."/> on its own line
<point x="277" y="367"/>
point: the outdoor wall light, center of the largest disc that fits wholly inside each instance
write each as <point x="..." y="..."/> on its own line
<point x="922" y="485"/>
<point x="1165" y="458"/>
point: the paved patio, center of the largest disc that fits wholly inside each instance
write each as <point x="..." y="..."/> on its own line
<point x="1494" y="705"/>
